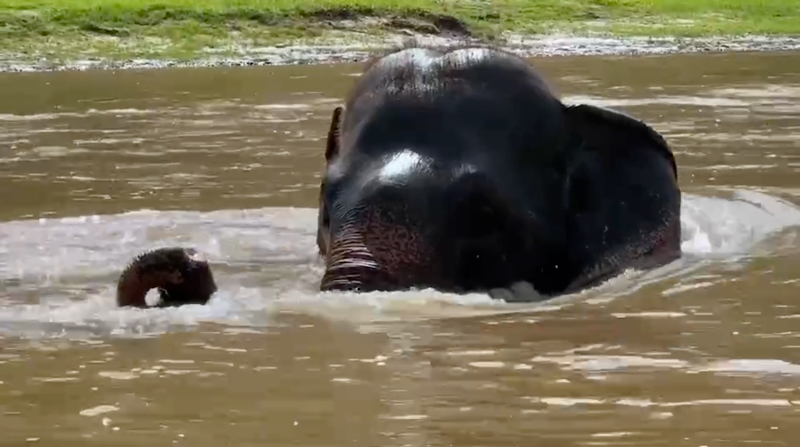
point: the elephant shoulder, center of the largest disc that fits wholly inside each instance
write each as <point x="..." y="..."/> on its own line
<point x="605" y="129"/>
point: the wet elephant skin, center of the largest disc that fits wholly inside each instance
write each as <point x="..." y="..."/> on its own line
<point x="462" y="171"/>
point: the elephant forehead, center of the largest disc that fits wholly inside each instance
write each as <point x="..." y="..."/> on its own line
<point x="418" y="57"/>
<point x="407" y="163"/>
<point x="411" y="168"/>
<point x="422" y="58"/>
<point x="466" y="56"/>
<point x="403" y="163"/>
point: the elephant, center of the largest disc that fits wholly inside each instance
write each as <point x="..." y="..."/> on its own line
<point x="181" y="275"/>
<point x="461" y="170"/>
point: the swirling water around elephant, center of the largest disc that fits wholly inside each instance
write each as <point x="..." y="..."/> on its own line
<point x="96" y="167"/>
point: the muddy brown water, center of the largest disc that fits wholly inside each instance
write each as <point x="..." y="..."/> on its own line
<point x="97" y="166"/>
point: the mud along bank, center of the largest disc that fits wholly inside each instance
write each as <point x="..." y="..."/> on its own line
<point x="77" y="34"/>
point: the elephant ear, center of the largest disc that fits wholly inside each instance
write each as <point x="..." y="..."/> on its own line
<point x="606" y="129"/>
<point x="621" y="195"/>
<point x="331" y="151"/>
<point x="334" y="134"/>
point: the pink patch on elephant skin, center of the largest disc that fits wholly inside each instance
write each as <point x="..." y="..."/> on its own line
<point x="393" y="252"/>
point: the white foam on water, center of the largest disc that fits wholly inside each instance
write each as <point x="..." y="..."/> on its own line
<point x="57" y="276"/>
<point x="716" y="226"/>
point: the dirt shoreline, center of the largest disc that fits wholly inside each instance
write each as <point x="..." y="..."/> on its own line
<point x="356" y="47"/>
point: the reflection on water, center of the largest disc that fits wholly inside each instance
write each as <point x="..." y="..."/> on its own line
<point x="704" y="351"/>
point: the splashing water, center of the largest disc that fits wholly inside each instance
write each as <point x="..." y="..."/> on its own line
<point x="58" y="276"/>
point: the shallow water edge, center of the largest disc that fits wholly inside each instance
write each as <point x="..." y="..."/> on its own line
<point x="357" y="47"/>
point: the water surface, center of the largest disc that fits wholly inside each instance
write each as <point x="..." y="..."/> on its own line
<point x="97" y="166"/>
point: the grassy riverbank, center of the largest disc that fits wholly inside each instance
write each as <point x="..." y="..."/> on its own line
<point x="115" y="29"/>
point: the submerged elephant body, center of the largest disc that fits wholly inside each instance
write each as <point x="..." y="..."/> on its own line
<point x="461" y="171"/>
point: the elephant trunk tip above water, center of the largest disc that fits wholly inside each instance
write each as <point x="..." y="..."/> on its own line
<point x="181" y="276"/>
<point x="460" y="170"/>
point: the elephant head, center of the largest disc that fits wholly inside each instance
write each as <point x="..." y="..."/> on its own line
<point x="181" y="275"/>
<point x="461" y="171"/>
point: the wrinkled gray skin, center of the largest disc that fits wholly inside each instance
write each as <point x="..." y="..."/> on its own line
<point x="460" y="170"/>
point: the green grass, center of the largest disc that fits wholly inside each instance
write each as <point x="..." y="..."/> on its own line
<point x="179" y="28"/>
